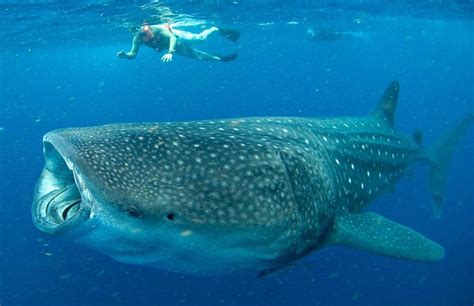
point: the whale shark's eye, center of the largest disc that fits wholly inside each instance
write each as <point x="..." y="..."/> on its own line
<point x="133" y="211"/>
<point x="170" y="216"/>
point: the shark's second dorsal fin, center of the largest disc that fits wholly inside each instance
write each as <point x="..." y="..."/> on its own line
<point x="385" y="109"/>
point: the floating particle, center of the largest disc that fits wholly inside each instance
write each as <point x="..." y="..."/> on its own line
<point x="333" y="275"/>
<point x="65" y="276"/>
<point x="100" y="273"/>
<point x="186" y="233"/>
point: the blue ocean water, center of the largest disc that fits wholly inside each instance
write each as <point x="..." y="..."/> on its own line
<point x="58" y="68"/>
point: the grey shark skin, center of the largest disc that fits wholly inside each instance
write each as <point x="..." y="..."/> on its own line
<point x="215" y="197"/>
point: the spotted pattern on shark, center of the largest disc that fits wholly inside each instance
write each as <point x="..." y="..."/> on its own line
<point x="218" y="196"/>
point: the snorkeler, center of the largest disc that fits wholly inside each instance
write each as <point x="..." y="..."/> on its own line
<point x="165" y="38"/>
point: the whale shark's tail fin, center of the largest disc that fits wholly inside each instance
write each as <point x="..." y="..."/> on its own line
<point x="385" y="109"/>
<point x="441" y="158"/>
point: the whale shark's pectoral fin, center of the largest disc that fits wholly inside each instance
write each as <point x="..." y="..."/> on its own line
<point x="372" y="232"/>
<point x="275" y="270"/>
<point x="284" y="268"/>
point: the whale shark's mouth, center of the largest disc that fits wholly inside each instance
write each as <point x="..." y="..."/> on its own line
<point x="57" y="202"/>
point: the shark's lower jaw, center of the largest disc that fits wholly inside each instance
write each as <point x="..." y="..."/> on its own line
<point x="57" y="203"/>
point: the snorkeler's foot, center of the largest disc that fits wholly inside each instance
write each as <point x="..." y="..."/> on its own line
<point x="228" y="58"/>
<point x="232" y="35"/>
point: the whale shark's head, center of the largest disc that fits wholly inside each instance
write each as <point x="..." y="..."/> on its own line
<point x="170" y="196"/>
<point x="58" y="203"/>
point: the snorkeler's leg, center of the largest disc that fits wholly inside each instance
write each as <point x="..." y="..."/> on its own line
<point x="205" y="34"/>
<point x="204" y="56"/>
<point x="228" y="58"/>
<point x="188" y="51"/>
<point x="193" y="37"/>
<point x="232" y="35"/>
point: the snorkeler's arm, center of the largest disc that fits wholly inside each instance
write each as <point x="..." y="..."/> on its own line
<point x="133" y="52"/>
<point x="172" y="43"/>
<point x="171" y="49"/>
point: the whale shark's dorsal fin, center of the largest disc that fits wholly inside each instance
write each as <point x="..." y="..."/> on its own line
<point x="374" y="233"/>
<point x="385" y="109"/>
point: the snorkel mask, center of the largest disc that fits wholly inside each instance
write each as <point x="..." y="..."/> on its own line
<point x="147" y="32"/>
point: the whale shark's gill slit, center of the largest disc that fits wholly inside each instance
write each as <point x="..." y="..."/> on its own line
<point x="133" y="212"/>
<point x="70" y="209"/>
<point x="53" y="197"/>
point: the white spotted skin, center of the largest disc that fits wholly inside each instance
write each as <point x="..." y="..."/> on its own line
<point x="367" y="157"/>
<point x="216" y="197"/>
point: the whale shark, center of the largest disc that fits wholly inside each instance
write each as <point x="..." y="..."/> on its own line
<point x="248" y="194"/>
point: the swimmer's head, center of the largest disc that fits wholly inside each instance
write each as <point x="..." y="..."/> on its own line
<point x="146" y="33"/>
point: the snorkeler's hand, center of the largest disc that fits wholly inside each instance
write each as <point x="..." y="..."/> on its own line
<point x="121" y="54"/>
<point x="168" y="57"/>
